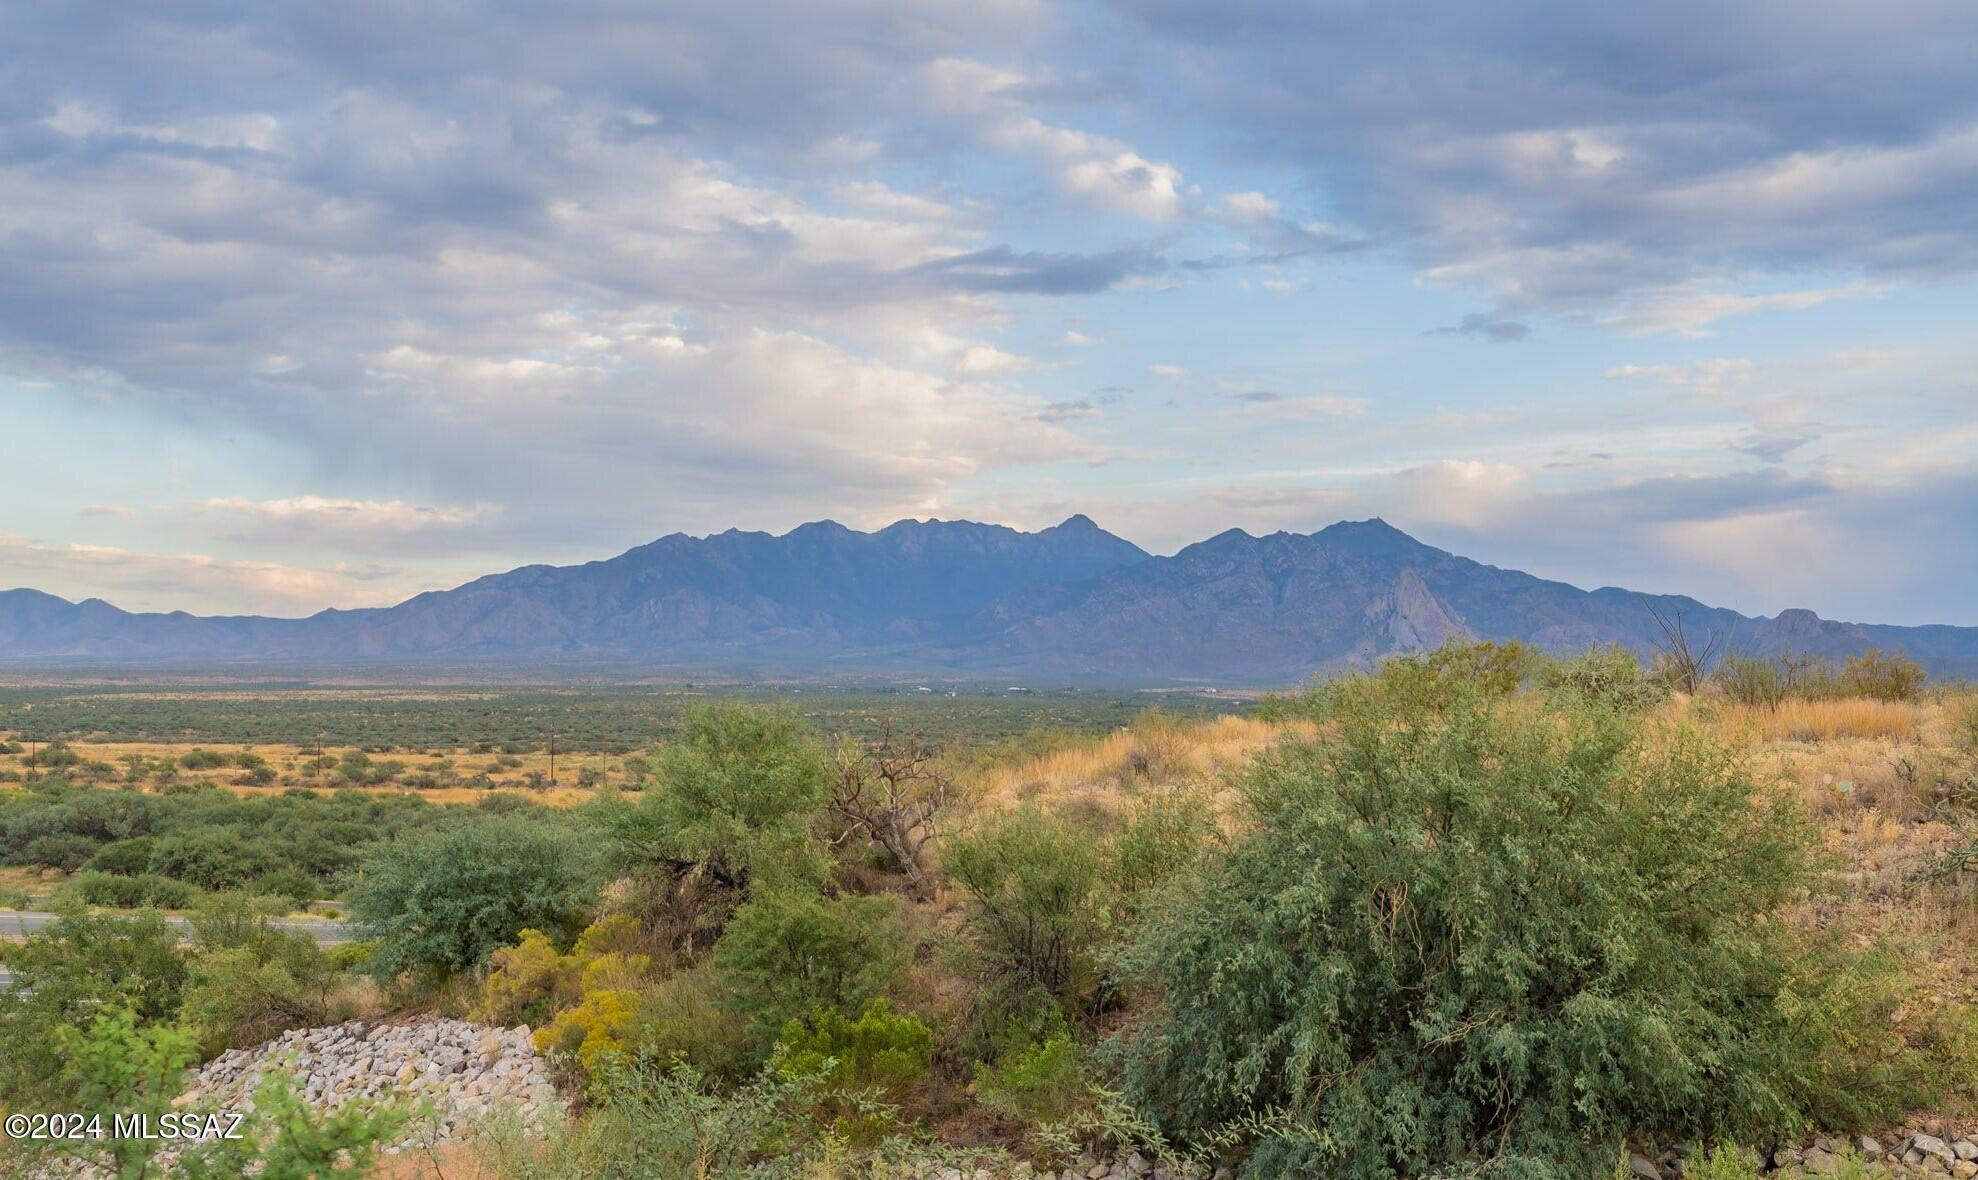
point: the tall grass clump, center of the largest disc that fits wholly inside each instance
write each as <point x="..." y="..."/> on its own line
<point x="1471" y="932"/>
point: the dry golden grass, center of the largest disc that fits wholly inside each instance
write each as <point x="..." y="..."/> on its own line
<point x="1110" y="771"/>
<point x="1824" y="721"/>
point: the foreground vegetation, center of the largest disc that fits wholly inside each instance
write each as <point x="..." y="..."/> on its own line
<point x="1480" y="914"/>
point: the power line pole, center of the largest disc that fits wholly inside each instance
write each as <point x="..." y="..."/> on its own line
<point x="552" y="757"/>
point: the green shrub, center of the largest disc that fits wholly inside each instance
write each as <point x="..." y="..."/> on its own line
<point x="1040" y="1083"/>
<point x="735" y="799"/>
<point x="1423" y="680"/>
<point x="66" y="851"/>
<point x="1035" y="914"/>
<point x="113" y="1064"/>
<point x="1609" y="677"/>
<point x="1493" y="928"/>
<point x="1886" y="676"/>
<point x="1751" y="680"/>
<point x="125" y="857"/>
<point x="683" y="1021"/>
<point x="1498" y="669"/>
<point x="1726" y="1161"/>
<point x="655" y="1120"/>
<point x="290" y="883"/>
<point x="349" y="955"/>
<point x="146" y="889"/>
<point x="252" y="979"/>
<point x="212" y="859"/>
<point x="79" y="965"/>
<point x="859" y="1069"/>
<point x="879" y="1051"/>
<point x="442" y="899"/>
<point x="1164" y="837"/>
<point x="790" y="951"/>
<point x="198" y="759"/>
<point x="1852" y="1056"/>
<point x="15" y="899"/>
<point x="241" y="996"/>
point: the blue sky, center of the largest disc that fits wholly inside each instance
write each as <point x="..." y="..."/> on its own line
<point x="322" y="305"/>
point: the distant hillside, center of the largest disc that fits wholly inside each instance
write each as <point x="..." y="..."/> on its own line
<point x="955" y="597"/>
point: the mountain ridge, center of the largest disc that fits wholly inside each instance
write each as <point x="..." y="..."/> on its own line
<point x="960" y="597"/>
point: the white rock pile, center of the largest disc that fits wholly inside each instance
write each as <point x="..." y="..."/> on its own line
<point x="465" y="1070"/>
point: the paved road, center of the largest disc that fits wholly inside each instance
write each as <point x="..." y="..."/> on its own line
<point x="18" y="924"/>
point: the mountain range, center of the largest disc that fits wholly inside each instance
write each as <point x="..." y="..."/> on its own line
<point x="961" y="599"/>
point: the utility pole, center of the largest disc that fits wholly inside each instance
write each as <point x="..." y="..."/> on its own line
<point x="552" y="757"/>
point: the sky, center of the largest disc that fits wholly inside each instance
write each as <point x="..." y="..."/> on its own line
<point x="313" y="305"/>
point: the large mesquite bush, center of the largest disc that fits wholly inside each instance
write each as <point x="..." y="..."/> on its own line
<point x="1469" y="933"/>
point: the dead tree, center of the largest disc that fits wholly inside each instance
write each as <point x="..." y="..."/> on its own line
<point x="1688" y="663"/>
<point x="893" y="793"/>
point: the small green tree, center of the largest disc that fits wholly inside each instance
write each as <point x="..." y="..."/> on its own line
<point x="114" y="1066"/>
<point x="1751" y="680"/>
<point x="441" y="899"/>
<point x="790" y="951"/>
<point x="1886" y="676"/>
<point x="734" y="801"/>
<point x="1035" y="910"/>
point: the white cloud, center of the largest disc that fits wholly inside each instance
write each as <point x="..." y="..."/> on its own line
<point x="362" y="524"/>
<point x="1250" y="206"/>
<point x="1689" y="310"/>
<point x="1171" y="372"/>
<point x="983" y="360"/>
<point x="1466" y="493"/>
<point x="1097" y="168"/>
<point x="161" y="581"/>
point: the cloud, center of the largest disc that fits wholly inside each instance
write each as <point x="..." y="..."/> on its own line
<point x="982" y="360"/>
<point x="1068" y="411"/>
<point x="116" y="510"/>
<point x="1171" y="372"/>
<point x="1096" y="168"/>
<point x="1773" y="448"/>
<point x="1757" y="541"/>
<point x="1478" y="324"/>
<point x="1579" y="162"/>
<point x="1689" y="311"/>
<point x="1003" y="270"/>
<point x="358" y="524"/>
<point x="1077" y="339"/>
<point x="157" y="581"/>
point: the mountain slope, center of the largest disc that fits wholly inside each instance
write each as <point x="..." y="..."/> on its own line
<point x="1269" y="609"/>
<point x="818" y="589"/>
<point x="968" y="599"/>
